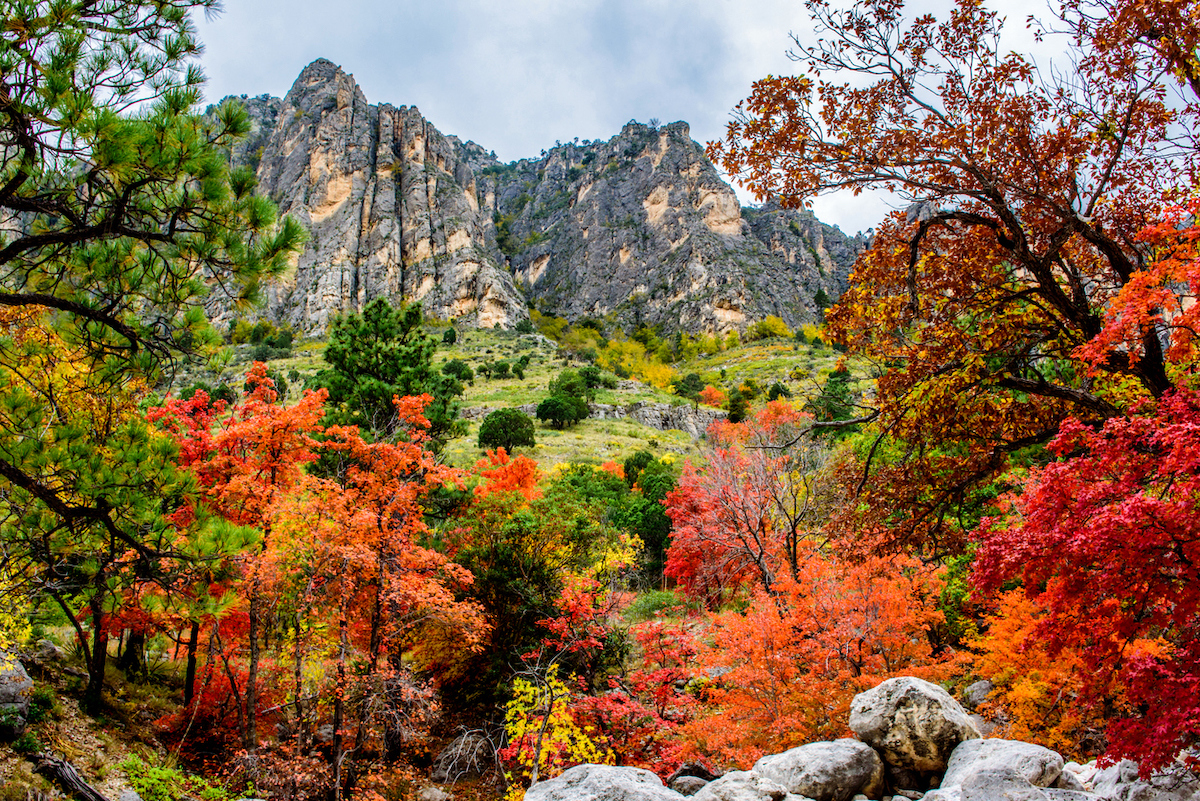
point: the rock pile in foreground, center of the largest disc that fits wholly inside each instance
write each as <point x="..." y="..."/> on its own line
<point x="915" y="742"/>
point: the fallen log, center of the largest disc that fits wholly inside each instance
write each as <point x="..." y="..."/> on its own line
<point x="64" y="773"/>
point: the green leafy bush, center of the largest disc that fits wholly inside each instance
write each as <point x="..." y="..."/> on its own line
<point x="157" y="783"/>
<point x="27" y="743"/>
<point x="506" y="428"/>
<point x="459" y="369"/>
<point x="562" y="410"/>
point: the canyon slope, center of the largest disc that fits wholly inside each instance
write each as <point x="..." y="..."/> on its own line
<point x="636" y="230"/>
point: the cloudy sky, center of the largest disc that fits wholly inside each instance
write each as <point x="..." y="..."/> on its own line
<point x="516" y="75"/>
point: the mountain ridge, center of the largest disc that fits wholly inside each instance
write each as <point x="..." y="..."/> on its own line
<point x="639" y="229"/>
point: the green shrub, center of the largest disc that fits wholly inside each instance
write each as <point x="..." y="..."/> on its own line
<point x="635" y="464"/>
<point x="506" y="428"/>
<point x="450" y="337"/>
<point x="525" y="327"/>
<point x="156" y="783"/>
<point x="239" y="332"/>
<point x="562" y="410"/>
<point x="647" y="604"/>
<point x="573" y="384"/>
<point x="737" y="406"/>
<point x="27" y="743"/>
<point x="459" y="369"/>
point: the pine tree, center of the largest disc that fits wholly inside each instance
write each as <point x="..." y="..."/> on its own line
<point x="380" y="354"/>
<point x="120" y="211"/>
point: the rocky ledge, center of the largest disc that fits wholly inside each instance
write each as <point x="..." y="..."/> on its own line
<point x="659" y="416"/>
<point x="915" y="742"/>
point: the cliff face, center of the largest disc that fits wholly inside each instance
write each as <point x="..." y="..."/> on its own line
<point x="640" y="228"/>
<point x="389" y="205"/>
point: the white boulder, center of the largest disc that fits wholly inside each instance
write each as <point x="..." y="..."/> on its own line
<point x="1039" y="766"/>
<point x="602" y="783"/>
<point x="914" y="724"/>
<point x="743" y="785"/>
<point x="826" y="771"/>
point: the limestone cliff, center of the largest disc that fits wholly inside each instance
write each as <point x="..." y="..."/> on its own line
<point x="389" y="205"/>
<point x="640" y="229"/>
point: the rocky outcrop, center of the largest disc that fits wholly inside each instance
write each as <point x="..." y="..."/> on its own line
<point x="15" y="689"/>
<point x="826" y="771"/>
<point x="602" y="783"/>
<point x="1121" y="782"/>
<point x="389" y="203"/>
<point x="916" y="725"/>
<point x="642" y="228"/>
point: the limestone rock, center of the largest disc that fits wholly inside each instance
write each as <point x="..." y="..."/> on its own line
<point x="1068" y="780"/>
<point x="914" y="724"/>
<point x="687" y="785"/>
<point x="640" y="227"/>
<point x="389" y="203"/>
<point x="1037" y="765"/>
<point x="992" y="783"/>
<point x="740" y="785"/>
<point x="977" y="693"/>
<point x="15" y="689"/>
<point x="1121" y="782"/>
<point x="643" y="228"/>
<point x="431" y="793"/>
<point x="690" y="778"/>
<point x="602" y="783"/>
<point x="826" y="771"/>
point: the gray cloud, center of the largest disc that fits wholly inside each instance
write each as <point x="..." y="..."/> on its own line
<point x="515" y="76"/>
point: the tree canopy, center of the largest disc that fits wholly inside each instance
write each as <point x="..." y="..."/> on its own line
<point x="120" y="213"/>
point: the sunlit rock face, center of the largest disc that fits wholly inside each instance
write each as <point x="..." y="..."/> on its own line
<point x="640" y="229"/>
<point x="388" y="201"/>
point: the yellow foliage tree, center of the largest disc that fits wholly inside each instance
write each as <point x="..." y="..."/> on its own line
<point x="544" y="738"/>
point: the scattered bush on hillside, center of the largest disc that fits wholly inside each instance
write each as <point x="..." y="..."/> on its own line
<point x="506" y="428"/>
<point x="765" y="329"/>
<point x="459" y="369"/>
<point x="562" y="410"/>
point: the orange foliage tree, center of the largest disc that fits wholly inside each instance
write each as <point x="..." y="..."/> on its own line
<point x="338" y="572"/>
<point x="789" y="666"/>
<point x="1028" y="192"/>
<point x="746" y="515"/>
<point x="1036" y="696"/>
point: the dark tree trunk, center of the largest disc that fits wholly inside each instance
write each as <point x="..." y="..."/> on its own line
<point x="133" y="656"/>
<point x="189" y="679"/>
